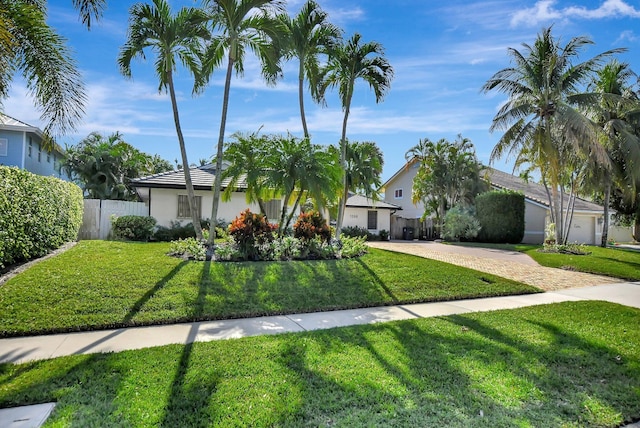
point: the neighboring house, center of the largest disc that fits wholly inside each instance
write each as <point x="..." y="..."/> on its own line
<point x="369" y="214"/>
<point x="21" y="146"/>
<point x="166" y="196"/>
<point x="586" y="226"/>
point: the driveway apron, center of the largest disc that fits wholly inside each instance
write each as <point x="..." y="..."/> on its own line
<point x="503" y="263"/>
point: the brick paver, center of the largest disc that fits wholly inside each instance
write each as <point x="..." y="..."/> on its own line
<point x="545" y="278"/>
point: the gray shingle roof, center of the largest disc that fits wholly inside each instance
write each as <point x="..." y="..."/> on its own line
<point x="532" y="191"/>
<point x="202" y="178"/>
<point x="359" y="201"/>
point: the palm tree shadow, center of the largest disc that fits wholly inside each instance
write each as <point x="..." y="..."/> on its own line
<point x="377" y="280"/>
<point x="150" y="293"/>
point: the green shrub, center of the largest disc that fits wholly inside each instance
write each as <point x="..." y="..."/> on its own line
<point x="249" y="231"/>
<point x="460" y="223"/>
<point x="133" y="227"/>
<point x="383" y="235"/>
<point x="37" y="214"/>
<point x="178" y="231"/>
<point x="354" y="232"/>
<point x="189" y="248"/>
<point x="352" y="247"/>
<point x="501" y="215"/>
<point x="311" y="224"/>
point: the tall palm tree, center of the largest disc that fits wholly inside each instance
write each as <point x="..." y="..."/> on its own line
<point x="348" y="63"/>
<point x="242" y="25"/>
<point x="306" y="36"/>
<point x="542" y="114"/>
<point x="90" y="9"/>
<point x="614" y="115"/>
<point x="168" y="36"/>
<point x="29" y="45"/>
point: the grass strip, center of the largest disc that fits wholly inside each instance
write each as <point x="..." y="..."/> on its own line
<point x="570" y="364"/>
<point x="101" y="284"/>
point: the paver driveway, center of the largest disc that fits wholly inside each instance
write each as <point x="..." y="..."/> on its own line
<point x="503" y="263"/>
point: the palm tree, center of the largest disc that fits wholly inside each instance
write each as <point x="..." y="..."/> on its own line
<point x="243" y="24"/>
<point x="542" y="115"/>
<point x="364" y="168"/>
<point x="307" y="36"/>
<point x="90" y="9"/>
<point x="349" y="62"/>
<point x="617" y="103"/>
<point x="168" y="36"/>
<point x="29" y="45"/>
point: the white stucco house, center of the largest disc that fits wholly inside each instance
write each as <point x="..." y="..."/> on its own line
<point x="366" y="213"/>
<point x="586" y="226"/>
<point x="165" y="195"/>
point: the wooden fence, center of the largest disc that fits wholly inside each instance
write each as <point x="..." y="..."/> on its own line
<point x="96" y="220"/>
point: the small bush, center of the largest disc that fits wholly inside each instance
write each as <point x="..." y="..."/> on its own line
<point x="501" y="215"/>
<point x="460" y="223"/>
<point x="189" y="248"/>
<point x="352" y="247"/>
<point x="311" y="224"/>
<point x="354" y="232"/>
<point x="249" y="231"/>
<point x="133" y="227"/>
<point x="178" y="231"/>
<point x="574" y="249"/>
<point x="383" y="235"/>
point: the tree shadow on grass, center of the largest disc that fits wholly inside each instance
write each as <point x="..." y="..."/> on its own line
<point x="138" y="305"/>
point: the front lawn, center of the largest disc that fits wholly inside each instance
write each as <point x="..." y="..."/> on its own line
<point x="614" y="262"/>
<point x="569" y="364"/>
<point x="102" y="284"/>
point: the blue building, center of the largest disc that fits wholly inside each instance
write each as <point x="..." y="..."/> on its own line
<point x="21" y="146"/>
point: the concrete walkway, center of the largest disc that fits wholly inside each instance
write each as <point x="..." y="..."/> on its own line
<point x="23" y="349"/>
<point x="506" y="264"/>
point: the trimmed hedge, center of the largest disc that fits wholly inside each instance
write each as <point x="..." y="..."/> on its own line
<point x="133" y="227"/>
<point x="501" y="216"/>
<point x="37" y="214"/>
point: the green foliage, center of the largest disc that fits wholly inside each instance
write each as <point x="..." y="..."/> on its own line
<point x="501" y="215"/>
<point x="354" y="231"/>
<point x="460" y="223"/>
<point x="383" y="235"/>
<point x="189" y="248"/>
<point x="249" y="231"/>
<point x="311" y="224"/>
<point x="573" y="248"/>
<point x="105" y="166"/>
<point x="133" y="227"/>
<point x="179" y="231"/>
<point x="353" y="247"/>
<point x="37" y="214"/>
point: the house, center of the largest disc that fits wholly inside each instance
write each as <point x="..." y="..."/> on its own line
<point x="368" y="214"/>
<point x="21" y="145"/>
<point x="165" y="195"/>
<point x="586" y="226"/>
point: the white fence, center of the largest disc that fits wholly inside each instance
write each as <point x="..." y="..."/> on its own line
<point x="96" y="221"/>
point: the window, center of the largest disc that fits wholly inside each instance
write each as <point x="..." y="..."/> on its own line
<point x="39" y="152"/>
<point x="273" y="208"/>
<point x="372" y="220"/>
<point x="4" y="147"/>
<point x="397" y="194"/>
<point x="48" y="158"/>
<point x="183" y="206"/>
<point x="30" y="146"/>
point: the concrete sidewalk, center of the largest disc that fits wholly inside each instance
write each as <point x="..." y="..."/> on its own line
<point x="23" y="349"/>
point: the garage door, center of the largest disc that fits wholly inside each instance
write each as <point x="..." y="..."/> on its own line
<point x="582" y="230"/>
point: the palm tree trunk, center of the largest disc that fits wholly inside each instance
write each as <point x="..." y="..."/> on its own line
<point x="342" y="203"/>
<point x="605" y="223"/>
<point x="185" y="163"/>
<point x="301" y="100"/>
<point x="218" y="178"/>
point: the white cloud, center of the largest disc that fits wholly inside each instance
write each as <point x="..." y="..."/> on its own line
<point x="545" y="11"/>
<point x="627" y="35"/>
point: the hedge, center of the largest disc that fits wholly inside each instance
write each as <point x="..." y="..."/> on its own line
<point x="501" y="216"/>
<point x="37" y="214"/>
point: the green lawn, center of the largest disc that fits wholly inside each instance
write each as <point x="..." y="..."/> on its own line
<point x="572" y="364"/>
<point x="614" y="262"/>
<point x="101" y="284"/>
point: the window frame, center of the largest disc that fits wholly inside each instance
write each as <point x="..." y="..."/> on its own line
<point x="183" y="210"/>
<point x="398" y="193"/>
<point x="372" y="220"/>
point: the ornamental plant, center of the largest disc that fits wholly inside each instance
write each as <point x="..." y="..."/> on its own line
<point x="311" y="224"/>
<point x="250" y="231"/>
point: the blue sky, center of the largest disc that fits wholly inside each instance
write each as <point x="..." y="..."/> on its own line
<point x="441" y="52"/>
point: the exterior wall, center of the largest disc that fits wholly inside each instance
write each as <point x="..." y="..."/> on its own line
<point x="404" y="181"/>
<point x="358" y="217"/>
<point x="621" y="234"/>
<point x="18" y="154"/>
<point x="164" y="206"/>
<point x="14" y="148"/>
<point x="534" y="223"/>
